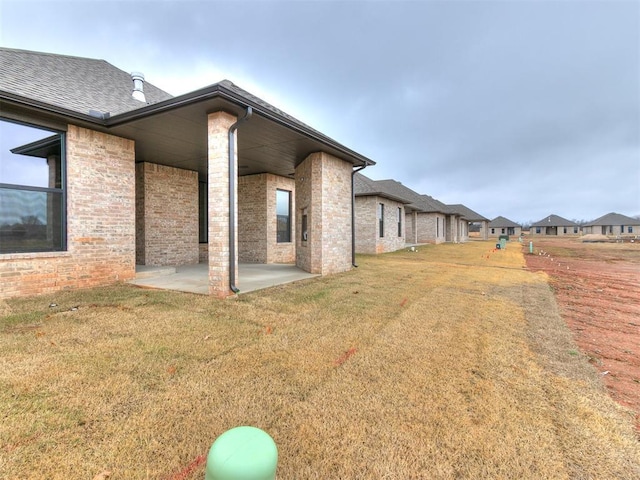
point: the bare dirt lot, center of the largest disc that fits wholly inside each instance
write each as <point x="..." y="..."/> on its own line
<point x="597" y="287"/>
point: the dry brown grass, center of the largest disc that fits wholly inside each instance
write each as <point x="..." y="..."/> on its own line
<point x="437" y="364"/>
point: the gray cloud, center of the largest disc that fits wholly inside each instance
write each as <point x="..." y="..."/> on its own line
<point x="519" y="109"/>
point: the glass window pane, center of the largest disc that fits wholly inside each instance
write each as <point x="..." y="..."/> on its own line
<point x="283" y="216"/>
<point x="29" y="156"/>
<point x="32" y="198"/>
<point x="203" y="209"/>
<point x="30" y="221"/>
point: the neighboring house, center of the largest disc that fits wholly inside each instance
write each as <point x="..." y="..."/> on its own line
<point x="425" y="217"/>
<point x="554" y="225"/>
<point x="468" y="217"/>
<point x="380" y="217"/>
<point x="426" y="221"/>
<point x="503" y="226"/>
<point x="100" y="171"/>
<point x="613" y="224"/>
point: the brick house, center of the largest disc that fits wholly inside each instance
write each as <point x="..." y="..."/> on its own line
<point x="426" y="220"/>
<point x="380" y="217"/>
<point x="100" y="171"/>
<point x="613" y="224"/>
<point x="503" y="226"/>
<point x="430" y="221"/>
<point x="554" y="225"/>
<point x="436" y="222"/>
<point x="425" y="217"/>
<point x="467" y="217"/>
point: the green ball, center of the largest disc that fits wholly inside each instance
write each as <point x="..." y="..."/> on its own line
<point x="242" y="453"/>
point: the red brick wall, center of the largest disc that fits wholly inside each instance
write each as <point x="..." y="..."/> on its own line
<point x="368" y="238"/>
<point x="252" y="218"/>
<point x="257" y="221"/>
<point x="323" y="191"/>
<point x="166" y="215"/>
<point x="431" y="227"/>
<point x="100" y="222"/>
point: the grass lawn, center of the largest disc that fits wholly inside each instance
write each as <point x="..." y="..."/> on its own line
<point x="451" y="362"/>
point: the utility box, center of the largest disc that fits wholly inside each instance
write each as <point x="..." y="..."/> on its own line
<point x="504" y="237"/>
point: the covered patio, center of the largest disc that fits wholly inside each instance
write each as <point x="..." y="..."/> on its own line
<point x="211" y="169"/>
<point x="195" y="278"/>
<point x="216" y="176"/>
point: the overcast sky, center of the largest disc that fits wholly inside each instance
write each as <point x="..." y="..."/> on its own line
<point x="513" y="108"/>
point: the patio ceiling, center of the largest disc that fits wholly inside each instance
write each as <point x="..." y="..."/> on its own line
<point x="177" y="136"/>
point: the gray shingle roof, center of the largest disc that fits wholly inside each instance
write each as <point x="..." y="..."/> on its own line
<point x="500" y="222"/>
<point x="468" y="214"/>
<point x="613" y="219"/>
<point x="74" y="83"/>
<point x="414" y="200"/>
<point x="364" y="186"/>
<point x="398" y="189"/>
<point x="421" y="203"/>
<point x="429" y="204"/>
<point x="554" y="221"/>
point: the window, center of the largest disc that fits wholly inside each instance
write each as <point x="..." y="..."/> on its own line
<point x="203" y="211"/>
<point x="502" y="230"/>
<point x="283" y="216"/>
<point x="564" y="230"/>
<point x="493" y="231"/>
<point x="511" y="231"/>
<point x="575" y="229"/>
<point x="381" y="219"/>
<point x="537" y="229"/>
<point x="437" y="227"/>
<point x="399" y="221"/>
<point x="32" y="194"/>
<point x="630" y="229"/>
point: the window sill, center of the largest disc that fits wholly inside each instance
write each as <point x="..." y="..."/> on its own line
<point x="33" y="255"/>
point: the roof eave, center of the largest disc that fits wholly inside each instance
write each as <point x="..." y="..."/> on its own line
<point x="218" y="90"/>
<point x="384" y="195"/>
<point x="48" y="108"/>
<point x="210" y="92"/>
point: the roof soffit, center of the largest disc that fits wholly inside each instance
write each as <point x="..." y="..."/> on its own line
<point x="174" y="132"/>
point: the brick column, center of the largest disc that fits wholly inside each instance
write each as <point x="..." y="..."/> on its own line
<point x="323" y="195"/>
<point x="218" y="189"/>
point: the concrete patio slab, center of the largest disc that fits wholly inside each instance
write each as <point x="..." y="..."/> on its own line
<point x="194" y="278"/>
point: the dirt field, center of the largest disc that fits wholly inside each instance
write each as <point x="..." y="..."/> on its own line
<point x="597" y="286"/>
